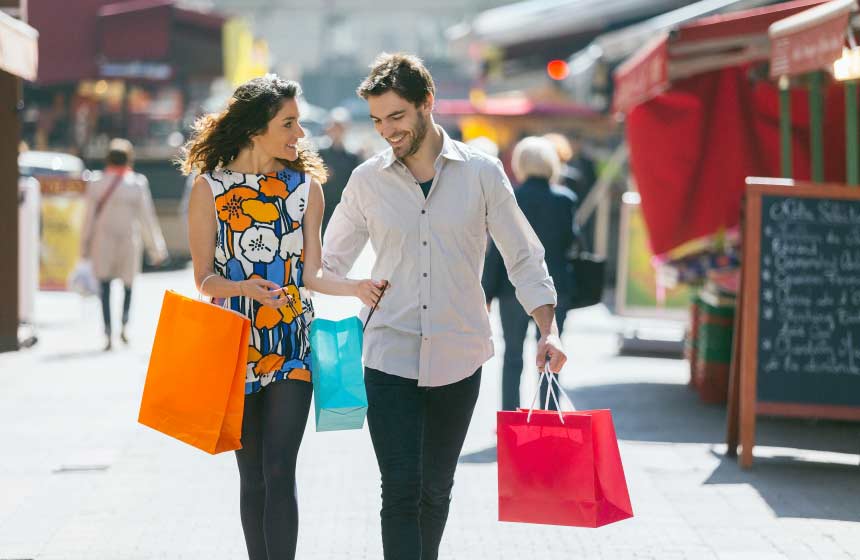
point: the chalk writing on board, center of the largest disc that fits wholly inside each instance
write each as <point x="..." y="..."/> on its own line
<point x="809" y="300"/>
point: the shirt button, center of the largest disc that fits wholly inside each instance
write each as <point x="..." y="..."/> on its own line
<point x="424" y="306"/>
<point x="424" y="211"/>
<point x="425" y="275"/>
<point x="424" y="243"/>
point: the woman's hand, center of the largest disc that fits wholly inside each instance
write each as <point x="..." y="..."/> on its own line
<point x="370" y="291"/>
<point x="264" y="291"/>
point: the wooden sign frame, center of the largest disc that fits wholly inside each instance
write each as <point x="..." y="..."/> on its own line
<point x="743" y="406"/>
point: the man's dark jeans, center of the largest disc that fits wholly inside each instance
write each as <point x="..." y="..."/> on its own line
<point x="417" y="434"/>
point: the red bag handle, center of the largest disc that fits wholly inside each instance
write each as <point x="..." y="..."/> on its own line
<point x="551" y="378"/>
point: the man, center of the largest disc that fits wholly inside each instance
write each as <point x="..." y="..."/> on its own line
<point x="426" y="204"/>
<point x="339" y="161"/>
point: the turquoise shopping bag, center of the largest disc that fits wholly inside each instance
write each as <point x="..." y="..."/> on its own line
<point x="340" y="401"/>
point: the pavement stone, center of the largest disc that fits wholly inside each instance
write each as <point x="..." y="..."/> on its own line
<point x="80" y="479"/>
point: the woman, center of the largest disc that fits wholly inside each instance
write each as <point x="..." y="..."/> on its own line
<point x="258" y="197"/>
<point x="120" y="222"/>
<point x="550" y="210"/>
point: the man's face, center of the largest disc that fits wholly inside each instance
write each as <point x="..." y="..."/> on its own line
<point x="399" y="122"/>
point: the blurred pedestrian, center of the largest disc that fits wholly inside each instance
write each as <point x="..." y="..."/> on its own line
<point x="484" y="144"/>
<point x="426" y="204"/>
<point x="120" y="222"/>
<point x="339" y="160"/>
<point x="577" y="168"/>
<point x="550" y="209"/>
<point x="254" y="219"/>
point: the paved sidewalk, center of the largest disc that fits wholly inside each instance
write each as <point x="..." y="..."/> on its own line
<point x="79" y="479"/>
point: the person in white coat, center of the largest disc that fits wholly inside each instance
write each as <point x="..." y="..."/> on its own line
<point x="120" y="223"/>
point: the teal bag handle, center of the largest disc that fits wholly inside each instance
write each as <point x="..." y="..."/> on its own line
<point x="363" y="327"/>
<point x="372" y="309"/>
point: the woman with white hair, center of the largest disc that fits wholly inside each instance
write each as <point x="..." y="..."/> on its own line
<point x="549" y="209"/>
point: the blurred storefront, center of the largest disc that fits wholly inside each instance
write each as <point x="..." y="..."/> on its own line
<point x="137" y="69"/>
<point x="589" y="80"/>
<point x="511" y="45"/>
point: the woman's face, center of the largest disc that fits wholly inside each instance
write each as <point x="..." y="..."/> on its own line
<point x="281" y="137"/>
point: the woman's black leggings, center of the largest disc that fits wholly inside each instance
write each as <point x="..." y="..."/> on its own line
<point x="272" y="430"/>
<point x="105" y="297"/>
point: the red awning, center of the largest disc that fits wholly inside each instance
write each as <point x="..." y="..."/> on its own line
<point x="810" y="40"/>
<point x="151" y="30"/>
<point x="137" y="30"/>
<point x="135" y="39"/>
<point x="707" y="44"/>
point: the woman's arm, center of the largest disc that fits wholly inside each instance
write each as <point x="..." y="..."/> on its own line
<point x="202" y="234"/>
<point x="315" y="277"/>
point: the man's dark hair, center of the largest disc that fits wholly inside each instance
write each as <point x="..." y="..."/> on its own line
<point x="401" y="73"/>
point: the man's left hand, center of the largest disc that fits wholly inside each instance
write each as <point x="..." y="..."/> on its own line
<point x="550" y="347"/>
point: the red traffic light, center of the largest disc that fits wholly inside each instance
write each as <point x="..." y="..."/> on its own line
<point x="557" y="69"/>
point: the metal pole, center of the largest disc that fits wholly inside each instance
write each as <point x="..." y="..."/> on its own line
<point x="852" y="158"/>
<point x="816" y="125"/>
<point x="785" y="126"/>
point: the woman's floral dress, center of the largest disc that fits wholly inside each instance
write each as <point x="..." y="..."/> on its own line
<point x="260" y="236"/>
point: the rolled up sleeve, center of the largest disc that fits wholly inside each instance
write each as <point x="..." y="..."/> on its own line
<point x="521" y="250"/>
<point x="347" y="233"/>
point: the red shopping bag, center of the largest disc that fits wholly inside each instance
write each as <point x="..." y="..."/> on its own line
<point x="556" y="472"/>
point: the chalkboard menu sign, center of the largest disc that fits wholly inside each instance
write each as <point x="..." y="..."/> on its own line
<point x="809" y="298"/>
<point x="797" y="339"/>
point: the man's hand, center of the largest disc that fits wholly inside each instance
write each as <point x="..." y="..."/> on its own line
<point x="550" y="346"/>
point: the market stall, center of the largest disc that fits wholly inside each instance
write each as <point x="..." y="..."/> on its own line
<point x="794" y="352"/>
<point x="701" y="115"/>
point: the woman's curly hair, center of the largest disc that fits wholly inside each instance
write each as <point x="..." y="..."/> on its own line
<point x="218" y="137"/>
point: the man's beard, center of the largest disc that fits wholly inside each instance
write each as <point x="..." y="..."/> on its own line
<point x="418" y="135"/>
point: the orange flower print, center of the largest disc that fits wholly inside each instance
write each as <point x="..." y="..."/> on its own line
<point x="268" y="364"/>
<point x="253" y="355"/>
<point x="267" y="317"/>
<point x="260" y="211"/>
<point x="272" y="186"/>
<point x="287" y="311"/>
<point x="229" y="207"/>
<point x="300" y="374"/>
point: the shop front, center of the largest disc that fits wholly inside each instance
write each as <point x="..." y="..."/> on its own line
<point x="139" y="70"/>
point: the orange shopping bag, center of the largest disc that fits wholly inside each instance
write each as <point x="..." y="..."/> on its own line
<point x="195" y="384"/>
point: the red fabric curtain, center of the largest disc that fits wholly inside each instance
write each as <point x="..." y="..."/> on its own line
<point x="692" y="147"/>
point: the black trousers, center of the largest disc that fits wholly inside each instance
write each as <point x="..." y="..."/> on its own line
<point x="106" y="314"/>
<point x="515" y="325"/>
<point x="272" y="430"/>
<point x="417" y="435"/>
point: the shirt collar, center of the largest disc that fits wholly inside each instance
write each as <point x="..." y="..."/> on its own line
<point x="449" y="151"/>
